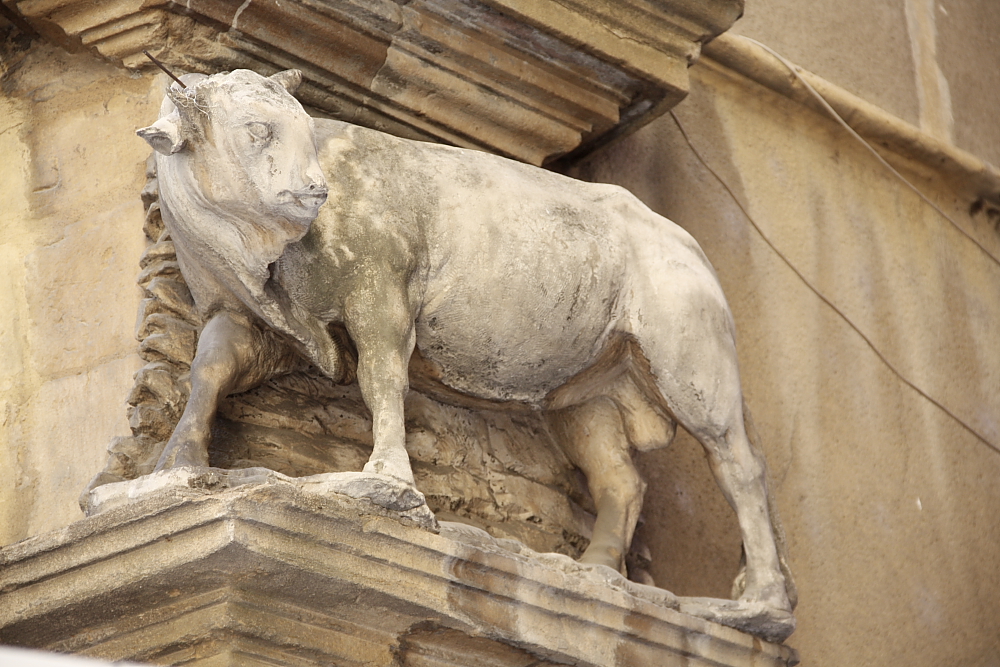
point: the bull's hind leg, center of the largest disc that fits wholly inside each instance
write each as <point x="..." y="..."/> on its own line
<point x="708" y="403"/>
<point x="593" y="437"/>
<point x="741" y="474"/>
<point x="764" y="609"/>
<point x="233" y="355"/>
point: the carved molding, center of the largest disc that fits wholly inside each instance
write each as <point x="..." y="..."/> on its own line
<point x="734" y="53"/>
<point x="273" y="573"/>
<point x="530" y="79"/>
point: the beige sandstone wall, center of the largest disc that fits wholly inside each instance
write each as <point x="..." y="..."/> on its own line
<point x="890" y="505"/>
<point x="932" y="63"/>
<point x="70" y="237"/>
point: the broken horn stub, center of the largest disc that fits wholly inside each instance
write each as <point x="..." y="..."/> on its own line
<point x="290" y="79"/>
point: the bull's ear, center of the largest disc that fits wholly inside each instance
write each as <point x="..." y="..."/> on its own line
<point x="164" y="135"/>
<point x="290" y="79"/>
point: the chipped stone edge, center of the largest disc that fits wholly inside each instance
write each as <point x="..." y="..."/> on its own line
<point x="387" y="496"/>
<point x="191" y="482"/>
<point x="482" y="540"/>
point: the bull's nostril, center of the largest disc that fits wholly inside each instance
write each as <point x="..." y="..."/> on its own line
<point x="313" y="194"/>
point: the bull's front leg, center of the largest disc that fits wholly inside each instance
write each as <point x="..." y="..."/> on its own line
<point x="381" y="325"/>
<point x="233" y="355"/>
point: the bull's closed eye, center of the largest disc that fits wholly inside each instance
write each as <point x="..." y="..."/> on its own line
<point x="261" y="132"/>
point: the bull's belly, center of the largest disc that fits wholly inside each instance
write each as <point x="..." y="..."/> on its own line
<point x="515" y="339"/>
<point x="502" y="368"/>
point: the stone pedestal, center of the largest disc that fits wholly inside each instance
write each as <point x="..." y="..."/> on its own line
<point x="276" y="571"/>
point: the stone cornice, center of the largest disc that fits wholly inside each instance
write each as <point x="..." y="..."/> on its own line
<point x="530" y="79"/>
<point x="285" y="574"/>
<point x="880" y="128"/>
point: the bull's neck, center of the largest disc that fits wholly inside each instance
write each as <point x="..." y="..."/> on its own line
<point x="244" y="237"/>
<point x="236" y="246"/>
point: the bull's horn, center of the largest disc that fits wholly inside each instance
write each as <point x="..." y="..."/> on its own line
<point x="290" y="79"/>
<point x="164" y="135"/>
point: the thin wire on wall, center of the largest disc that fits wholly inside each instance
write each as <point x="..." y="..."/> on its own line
<point x="795" y="69"/>
<point x="822" y="296"/>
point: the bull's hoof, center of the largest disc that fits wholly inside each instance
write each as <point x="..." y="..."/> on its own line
<point x="754" y="618"/>
<point x="382" y="490"/>
<point x="606" y="556"/>
<point x="182" y="455"/>
<point x="398" y="468"/>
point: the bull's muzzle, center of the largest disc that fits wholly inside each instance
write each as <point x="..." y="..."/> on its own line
<point x="311" y="197"/>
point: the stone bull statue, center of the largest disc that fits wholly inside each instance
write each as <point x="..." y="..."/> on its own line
<point x="499" y="281"/>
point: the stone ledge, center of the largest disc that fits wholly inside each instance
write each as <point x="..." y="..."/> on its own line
<point x="388" y="496"/>
<point x="879" y="127"/>
<point x="267" y="574"/>
<point x="529" y="79"/>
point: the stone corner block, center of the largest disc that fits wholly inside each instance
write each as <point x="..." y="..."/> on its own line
<point x="266" y="571"/>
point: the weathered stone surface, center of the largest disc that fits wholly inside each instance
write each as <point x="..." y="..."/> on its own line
<point x="531" y="79"/>
<point x="385" y="493"/>
<point x="69" y="239"/>
<point x="74" y="406"/>
<point x="907" y="145"/>
<point x="885" y="582"/>
<point x="852" y="448"/>
<point x="503" y="474"/>
<point x="92" y="257"/>
<point x="271" y="574"/>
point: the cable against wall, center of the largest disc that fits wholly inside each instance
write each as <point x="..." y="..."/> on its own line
<point x="823" y="297"/>
<point x="794" y="69"/>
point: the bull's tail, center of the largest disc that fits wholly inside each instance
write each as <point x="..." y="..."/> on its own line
<point x="739" y="584"/>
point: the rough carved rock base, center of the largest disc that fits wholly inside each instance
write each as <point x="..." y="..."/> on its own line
<point x="268" y="573"/>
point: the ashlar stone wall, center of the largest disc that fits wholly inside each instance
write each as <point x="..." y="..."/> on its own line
<point x="70" y="237"/>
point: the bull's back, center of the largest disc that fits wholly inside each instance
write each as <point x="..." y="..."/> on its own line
<point x="524" y="274"/>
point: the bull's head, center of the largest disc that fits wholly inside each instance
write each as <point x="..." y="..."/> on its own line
<point x="247" y="143"/>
